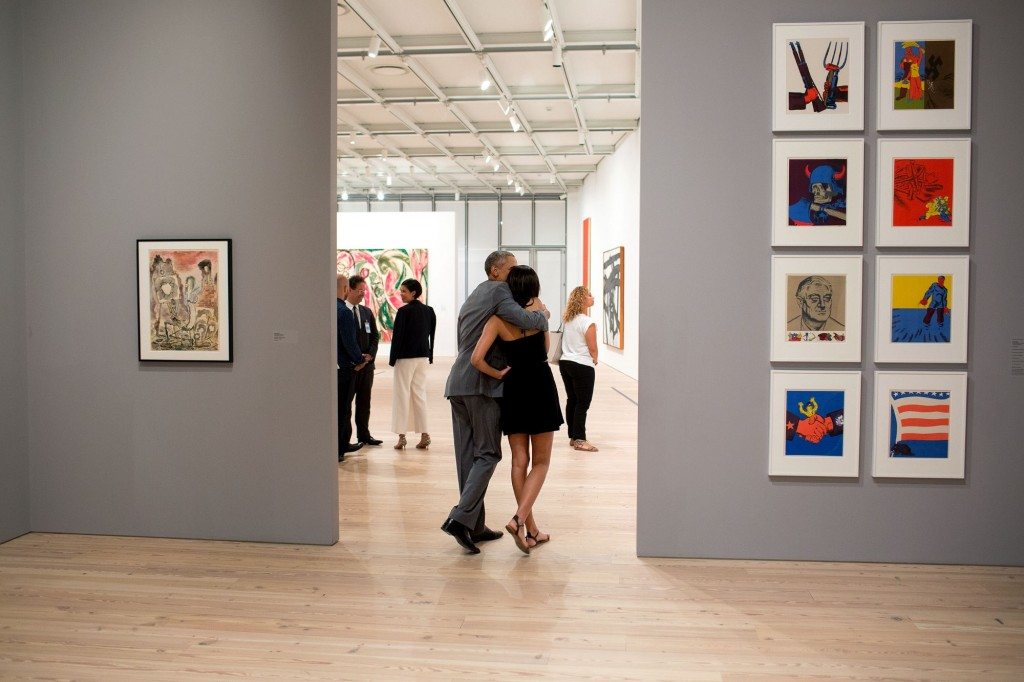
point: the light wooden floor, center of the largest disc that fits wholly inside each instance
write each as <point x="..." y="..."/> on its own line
<point x="397" y="599"/>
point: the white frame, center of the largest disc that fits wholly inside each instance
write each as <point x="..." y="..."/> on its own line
<point x="957" y="234"/>
<point x="848" y="464"/>
<point x="853" y="32"/>
<point x="851" y="234"/>
<point x="883" y="466"/>
<point x="957" y="118"/>
<point x="852" y="268"/>
<point x="224" y="284"/>
<point x="956" y="350"/>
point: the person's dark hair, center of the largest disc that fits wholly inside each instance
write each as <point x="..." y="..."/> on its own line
<point x="524" y="283"/>
<point x="356" y="280"/>
<point x="414" y="287"/>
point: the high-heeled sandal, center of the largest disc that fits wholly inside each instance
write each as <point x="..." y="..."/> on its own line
<point x="400" y="445"/>
<point x="424" y="441"/>
<point x="517" y="530"/>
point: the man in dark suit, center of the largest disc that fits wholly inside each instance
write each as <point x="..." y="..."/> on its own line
<point x="367" y="337"/>
<point x="350" y="361"/>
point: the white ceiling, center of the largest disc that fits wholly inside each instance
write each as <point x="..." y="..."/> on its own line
<point x="430" y="126"/>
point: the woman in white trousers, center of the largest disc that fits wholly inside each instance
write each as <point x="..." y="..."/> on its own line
<point x="412" y="349"/>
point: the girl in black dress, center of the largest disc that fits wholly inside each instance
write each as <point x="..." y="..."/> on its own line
<point x="530" y="413"/>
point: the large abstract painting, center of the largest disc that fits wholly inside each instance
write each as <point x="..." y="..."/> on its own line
<point x="184" y="299"/>
<point x="385" y="270"/>
<point x="613" y="262"/>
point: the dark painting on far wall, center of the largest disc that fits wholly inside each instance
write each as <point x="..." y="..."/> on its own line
<point x="614" y="296"/>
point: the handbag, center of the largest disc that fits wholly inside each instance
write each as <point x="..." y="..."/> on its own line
<point x="555" y="345"/>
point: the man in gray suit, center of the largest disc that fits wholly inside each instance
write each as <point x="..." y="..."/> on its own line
<point x="475" y="414"/>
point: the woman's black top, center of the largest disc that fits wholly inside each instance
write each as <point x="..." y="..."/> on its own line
<point x="413" y="337"/>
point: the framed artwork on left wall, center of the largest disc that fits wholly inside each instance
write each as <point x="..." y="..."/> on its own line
<point x="184" y="300"/>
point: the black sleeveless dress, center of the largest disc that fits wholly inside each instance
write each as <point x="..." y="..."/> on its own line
<point x="530" y="399"/>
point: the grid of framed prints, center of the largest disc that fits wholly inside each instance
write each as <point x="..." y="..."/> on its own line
<point x="924" y="202"/>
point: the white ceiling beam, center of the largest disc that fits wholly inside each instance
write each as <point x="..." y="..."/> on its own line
<point x="570" y="83"/>
<point x="620" y="91"/>
<point x="466" y="126"/>
<point x="491" y="43"/>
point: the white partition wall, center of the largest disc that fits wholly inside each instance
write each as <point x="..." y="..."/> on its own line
<point x="414" y="230"/>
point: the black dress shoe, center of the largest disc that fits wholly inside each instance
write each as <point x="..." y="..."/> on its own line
<point x="341" y="456"/>
<point x="486" y="535"/>
<point x="371" y="441"/>
<point x="352" y="447"/>
<point x="461" y="535"/>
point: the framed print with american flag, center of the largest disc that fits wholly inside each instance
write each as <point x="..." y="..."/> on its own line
<point x="920" y="424"/>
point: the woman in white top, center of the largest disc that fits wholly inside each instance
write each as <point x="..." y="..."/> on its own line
<point x="579" y="358"/>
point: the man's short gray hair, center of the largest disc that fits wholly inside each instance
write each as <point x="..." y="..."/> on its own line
<point x="496" y="259"/>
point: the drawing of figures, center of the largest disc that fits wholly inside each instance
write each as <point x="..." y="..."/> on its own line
<point x="922" y="192"/>
<point x="183" y="313"/>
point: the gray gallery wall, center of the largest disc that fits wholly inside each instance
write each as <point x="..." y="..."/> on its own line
<point x="704" y="489"/>
<point x="184" y="119"/>
<point x="14" y="486"/>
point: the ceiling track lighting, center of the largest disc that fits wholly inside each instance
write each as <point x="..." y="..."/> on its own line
<point x="487" y="159"/>
<point x="485" y="80"/>
<point x="457" y="195"/>
<point x="508" y="179"/>
<point x="344" y="195"/>
<point x="380" y="194"/>
<point x="549" y="29"/>
<point x="505" y="105"/>
<point x="389" y="180"/>
<point x="497" y="166"/>
<point x="514" y="122"/>
<point x="374" y="49"/>
<point x="556" y="54"/>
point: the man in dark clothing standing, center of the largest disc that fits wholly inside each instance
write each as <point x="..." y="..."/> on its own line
<point x="350" y="361"/>
<point x="368" y="338"/>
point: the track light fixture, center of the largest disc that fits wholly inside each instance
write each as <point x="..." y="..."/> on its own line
<point x="497" y="165"/>
<point x="549" y="29"/>
<point x="344" y="195"/>
<point x="505" y="105"/>
<point x="508" y="179"/>
<point x="380" y="194"/>
<point x="556" y="54"/>
<point x="457" y="195"/>
<point x="485" y="80"/>
<point x="389" y="180"/>
<point x="514" y="122"/>
<point x="374" y="47"/>
<point x="487" y="159"/>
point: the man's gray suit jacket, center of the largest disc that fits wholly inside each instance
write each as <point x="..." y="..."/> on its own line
<point x="491" y="297"/>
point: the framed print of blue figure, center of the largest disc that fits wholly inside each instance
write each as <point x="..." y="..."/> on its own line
<point x="924" y="75"/>
<point x="921" y="309"/>
<point x="817" y="192"/>
<point x="920" y="420"/>
<point x="815" y="423"/>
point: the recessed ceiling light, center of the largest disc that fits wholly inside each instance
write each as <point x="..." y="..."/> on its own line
<point x="389" y="69"/>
